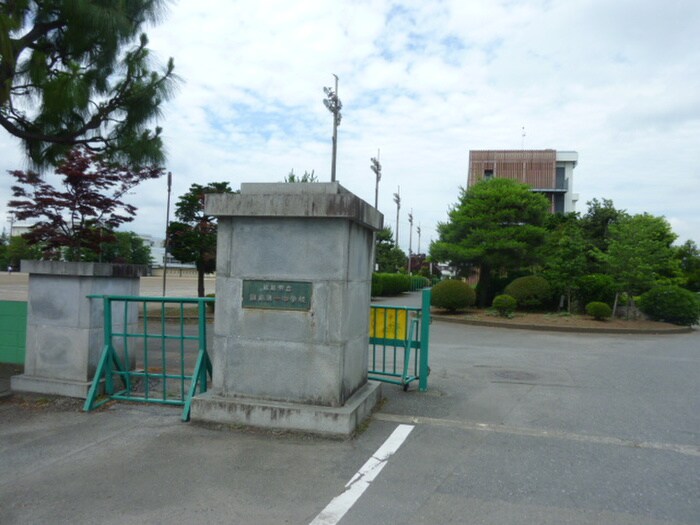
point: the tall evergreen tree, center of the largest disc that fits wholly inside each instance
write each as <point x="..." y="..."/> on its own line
<point x="497" y="225"/>
<point x="80" y="73"/>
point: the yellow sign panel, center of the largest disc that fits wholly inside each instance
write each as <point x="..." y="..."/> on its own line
<point x="387" y="323"/>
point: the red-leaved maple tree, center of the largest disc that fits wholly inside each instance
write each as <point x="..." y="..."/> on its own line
<point x="74" y="221"/>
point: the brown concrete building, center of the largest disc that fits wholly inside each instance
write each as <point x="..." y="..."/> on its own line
<point x="548" y="171"/>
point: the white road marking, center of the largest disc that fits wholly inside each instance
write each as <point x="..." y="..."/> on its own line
<point x="362" y="479"/>
<point x="687" y="450"/>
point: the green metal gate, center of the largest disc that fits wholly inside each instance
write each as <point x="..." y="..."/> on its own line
<point x="399" y="341"/>
<point x="158" y="363"/>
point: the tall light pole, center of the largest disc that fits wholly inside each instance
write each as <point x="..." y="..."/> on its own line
<point x="334" y="105"/>
<point x="167" y="225"/>
<point x="376" y="167"/>
<point x="410" y="236"/>
<point x="397" y="200"/>
<point x="418" y="232"/>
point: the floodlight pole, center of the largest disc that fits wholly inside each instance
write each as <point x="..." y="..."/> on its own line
<point x="167" y="225"/>
<point x="376" y="167"/>
<point x="418" y="232"/>
<point x="397" y="200"/>
<point x="410" y="237"/>
<point x="335" y="130"/>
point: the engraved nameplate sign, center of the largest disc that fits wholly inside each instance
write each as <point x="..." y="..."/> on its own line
<point x="277" y="295"/>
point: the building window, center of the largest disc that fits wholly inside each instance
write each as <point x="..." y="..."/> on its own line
<point x="488" y="174"/>
<point x="558" y="203"/>
<point x="561" y="178"/>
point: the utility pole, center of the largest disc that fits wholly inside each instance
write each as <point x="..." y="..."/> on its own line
<point x="397" y="200"/>
<point x="334" y="105"/>
<point x="410" y="236"/>
<point x="376" y="167"/>
<point x="167" y="225"/>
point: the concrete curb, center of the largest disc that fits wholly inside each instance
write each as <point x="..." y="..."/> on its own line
<point x="564" y="329"/>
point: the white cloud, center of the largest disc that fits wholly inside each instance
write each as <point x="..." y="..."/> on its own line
<point x="426" y="82"/>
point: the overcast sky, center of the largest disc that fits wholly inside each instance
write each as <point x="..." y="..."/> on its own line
<point x="425" y="82"/>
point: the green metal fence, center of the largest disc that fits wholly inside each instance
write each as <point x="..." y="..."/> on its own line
<point x="400" y="342"/>
<point x="159" y="362"/>
<point x="13" y="331"/>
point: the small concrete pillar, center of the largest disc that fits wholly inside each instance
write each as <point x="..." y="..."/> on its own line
<point x="294" y="270"/>
<point x="65" y="329"/>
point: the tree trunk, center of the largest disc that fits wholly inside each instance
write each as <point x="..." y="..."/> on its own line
<point x="484" y="285"/>
<point x="200" y="282"/>
<point x="614" y="312"/>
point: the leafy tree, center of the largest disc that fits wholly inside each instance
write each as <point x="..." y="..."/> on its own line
<point x="19" y="249"/>
<point x="75" y="221"/>
<point x="565" y="258"/>
<point x="79" y="73"/>
<point x="689" y="256"/>
<point x="127" y="248"/>
<point x="306" y="177"/>
<point x="640" y="254"/>
<point x="596" y="222"/>
<point x="497" y="225"/>
<point x="389" y="257"/>
<point x="193" y="237"/>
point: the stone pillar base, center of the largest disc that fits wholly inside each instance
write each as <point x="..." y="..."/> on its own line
<point x="50" y="385"/>
<point x="211" y="407"/>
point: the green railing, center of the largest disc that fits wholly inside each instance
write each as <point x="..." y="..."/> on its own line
<point x="399" y="343"/>
<point x="418" y="282"/>
<point x="159" y="363"/>
<point x="13" y="331"/>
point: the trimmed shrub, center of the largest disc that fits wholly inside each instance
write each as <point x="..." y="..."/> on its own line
<point x="671" y="304"/>
<point x="390" y="283"/>
<point x="504" y="304"/>
<point x="452" y="295"/>
<point x="531" y="291"/>
<point x="595" y="287"/>
<point x="377" y="287"/>
<point x="599" y="311"/>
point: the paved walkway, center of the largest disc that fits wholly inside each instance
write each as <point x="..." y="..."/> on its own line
<point x="517" y="427"/>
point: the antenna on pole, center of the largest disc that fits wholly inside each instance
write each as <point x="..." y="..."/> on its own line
<point x="522" y="138"/>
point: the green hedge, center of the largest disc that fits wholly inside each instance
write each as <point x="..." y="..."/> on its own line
<point x="419" y="282"/>
<point x="385" y="284"/>
<point x="532" y="291"/>
<point x="504" y="304"/>
<point x="671" y="304"/>
<point x="452" y="295"/>
<point x="598" y="310"/>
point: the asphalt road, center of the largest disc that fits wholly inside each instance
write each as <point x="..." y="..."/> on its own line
<point x="518" y="427"/>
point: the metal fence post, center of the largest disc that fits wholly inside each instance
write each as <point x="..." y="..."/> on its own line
<point x="424" y="340"/>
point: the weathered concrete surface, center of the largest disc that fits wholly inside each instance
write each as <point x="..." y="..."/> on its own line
<point x="65" y="329"/>
<point x="327" y="421"/>
<point x="323" y="200"/>
<point x="321" y="236"/>
<point x="517" y="427"/>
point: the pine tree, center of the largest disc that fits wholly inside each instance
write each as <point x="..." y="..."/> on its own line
<point x="79" y="73"/>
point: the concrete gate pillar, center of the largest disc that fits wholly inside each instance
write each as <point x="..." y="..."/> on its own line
<point x="294" y="269"/>
<point x="65" y="329"/>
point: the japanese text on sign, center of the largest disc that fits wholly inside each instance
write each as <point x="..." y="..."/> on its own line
<point x="277" y="295"/>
